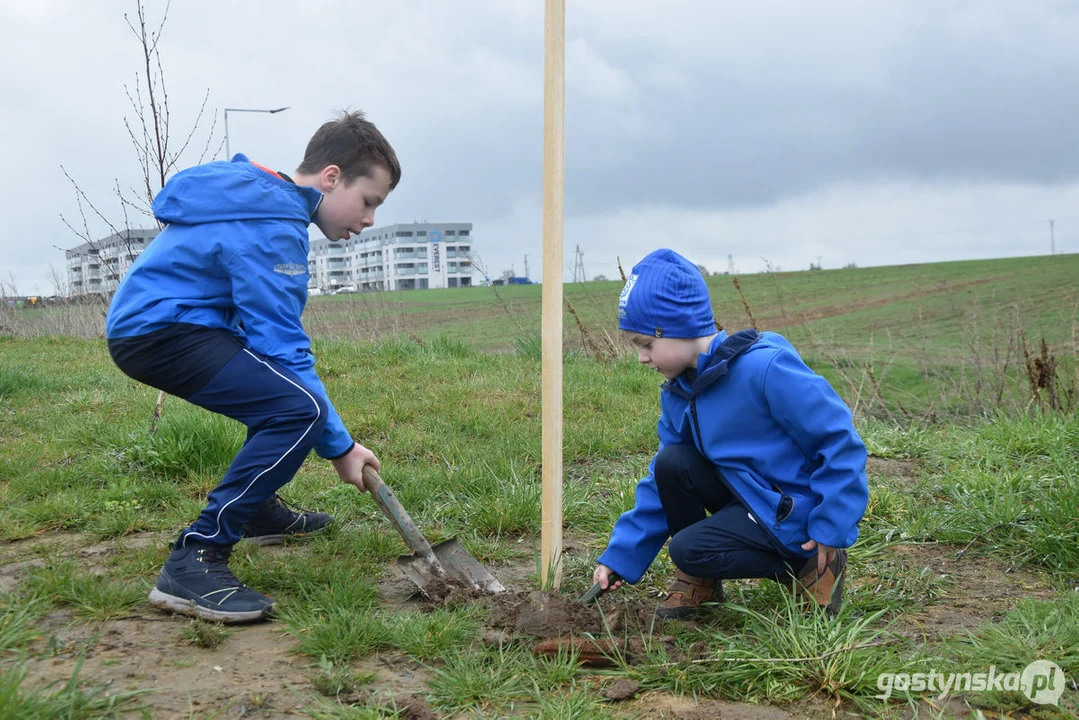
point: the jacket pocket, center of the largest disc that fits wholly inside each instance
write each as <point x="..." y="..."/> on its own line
<point x="784" y="509"/>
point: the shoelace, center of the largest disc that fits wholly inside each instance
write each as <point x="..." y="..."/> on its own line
<point x="218" y="559"/>
<point x="280" y="510"/>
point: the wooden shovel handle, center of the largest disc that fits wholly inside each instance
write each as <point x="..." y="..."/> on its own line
<point x="393" y="509"/>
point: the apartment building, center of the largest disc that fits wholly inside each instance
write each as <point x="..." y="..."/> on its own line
<point x="405" y="256"/>
<point x="97" y="267"/>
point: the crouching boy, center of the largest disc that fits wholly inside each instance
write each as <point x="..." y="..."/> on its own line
<point x="759" y="473"/>
<point x="211" y="313"/>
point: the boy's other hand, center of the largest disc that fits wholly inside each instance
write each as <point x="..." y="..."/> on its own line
<point x="825" y="554"/>
<point x="602" y="575"/>
<point x="349" y="467"/>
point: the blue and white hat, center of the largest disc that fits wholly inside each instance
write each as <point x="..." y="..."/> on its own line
<point x="666" y="296"/>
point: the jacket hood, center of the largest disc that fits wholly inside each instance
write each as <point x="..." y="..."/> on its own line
<point x="238" y="190"/>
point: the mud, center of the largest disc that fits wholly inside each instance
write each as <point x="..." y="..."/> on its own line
<point x="544" y="615"/>
<point x="622" y="690"/>
<point x="450" y="591"/>
<point x="413" y="707"/>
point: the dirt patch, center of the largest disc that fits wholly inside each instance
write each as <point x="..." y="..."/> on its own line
<point x="450" y="591"/>
<point x="253" y="673"/>
<point x="622" y="690"/>
<point x="890" y="468"/>
<point x="84" y="545"/>
<point x="414" y="707"/>
<point x="17" y="557"/>
<point x="256" y="672"/>
<point x="660" y="705"/>
<point x="12" y="573"/>
<point x="981" y="589"/>
<point x="544" y="615"/>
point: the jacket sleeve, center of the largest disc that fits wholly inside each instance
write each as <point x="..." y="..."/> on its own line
<point x="639" y="533"/>
<point x="269" y="296"/>
<point x="820" y="423"/>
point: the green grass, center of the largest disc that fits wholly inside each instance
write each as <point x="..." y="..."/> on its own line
<point x="448" y="395"/>
<point x="60" y="701"/>
<point x="19" y="616"/>
<point x="851" y="304"/>
<point x="97" y="597"/>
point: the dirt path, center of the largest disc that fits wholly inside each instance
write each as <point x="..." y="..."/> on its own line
<point x="257" y="673"/>
<point x="981" y="589"/>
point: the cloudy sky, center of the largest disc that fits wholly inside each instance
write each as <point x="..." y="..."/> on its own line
<point x="774" y="131"/>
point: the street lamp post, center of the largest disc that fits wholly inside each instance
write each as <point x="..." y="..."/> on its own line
<point x="228" y="155"/>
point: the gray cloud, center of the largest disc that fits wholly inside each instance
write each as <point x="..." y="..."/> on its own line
<point x="687" y="115"/>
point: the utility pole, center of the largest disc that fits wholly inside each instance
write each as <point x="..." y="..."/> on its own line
<point x="1052" y="239"/>
<point x="818" y="263"/>
<point x="578" y="266"/>
<point x="730" y="264"/>
<point x="526" y="267"/>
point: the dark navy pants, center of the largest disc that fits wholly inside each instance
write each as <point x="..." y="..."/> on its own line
<point x="712" y="533"/>
<point x="284" y="421"/>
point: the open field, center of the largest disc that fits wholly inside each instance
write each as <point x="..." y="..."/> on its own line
<point x="915" y="341"/>
<point x="968" y="556"/>
<point x="902" y="308"/>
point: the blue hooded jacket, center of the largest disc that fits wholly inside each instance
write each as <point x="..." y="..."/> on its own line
<point x="233" y="255"/>
<point x="781" y="438"/>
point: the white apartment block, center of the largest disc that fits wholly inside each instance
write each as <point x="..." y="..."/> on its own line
<point x="97" y="267"/>
<point x="405" y="256"/>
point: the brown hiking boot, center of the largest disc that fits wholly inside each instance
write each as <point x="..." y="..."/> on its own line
<point x="823" y="590"/>
<point x="686" y="595"/>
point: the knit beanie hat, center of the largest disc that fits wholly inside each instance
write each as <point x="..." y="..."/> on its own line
<point x="666" y="296"/>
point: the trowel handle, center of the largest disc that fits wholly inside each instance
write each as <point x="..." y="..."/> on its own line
<point x="596" y="590"/>
<point x="393" y="509"/>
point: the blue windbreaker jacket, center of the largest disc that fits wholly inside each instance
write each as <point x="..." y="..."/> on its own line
<point x="781" y="437"/>
<point x="233" y="255"/>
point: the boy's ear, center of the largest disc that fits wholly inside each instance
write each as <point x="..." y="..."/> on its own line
<point x="330" y="176"/>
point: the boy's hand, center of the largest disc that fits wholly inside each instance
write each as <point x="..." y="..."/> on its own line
<point x="349" y="467"/>
<point x="602" y="575"/>
<point x="825" y="554"/>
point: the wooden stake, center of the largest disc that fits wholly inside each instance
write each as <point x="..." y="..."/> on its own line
<point x="554" y="106"/>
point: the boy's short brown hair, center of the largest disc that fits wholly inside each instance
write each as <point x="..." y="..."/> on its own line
<point x="355" y="145"/>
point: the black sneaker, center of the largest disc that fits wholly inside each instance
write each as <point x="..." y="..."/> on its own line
<point x="274" y="521"/>
<point x="196" y="580"/>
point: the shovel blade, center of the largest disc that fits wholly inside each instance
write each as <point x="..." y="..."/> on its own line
<point x="457" y="565"/>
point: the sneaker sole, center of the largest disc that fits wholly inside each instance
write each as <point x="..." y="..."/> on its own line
<point x="183" y="606"/>
<point x="280" y="538"/>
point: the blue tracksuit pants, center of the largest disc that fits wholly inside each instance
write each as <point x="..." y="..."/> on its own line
<point x="712" y="533"/>
<point x="284" y="422"/>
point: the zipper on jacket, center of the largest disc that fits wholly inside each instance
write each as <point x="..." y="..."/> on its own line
<point x="734" y="493"/>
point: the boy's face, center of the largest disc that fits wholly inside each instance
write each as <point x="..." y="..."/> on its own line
<point x="348" y="207"/>
<point x="668" y="356"/>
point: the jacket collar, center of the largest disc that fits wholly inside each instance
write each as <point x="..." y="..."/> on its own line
<point x="716" y="365"/>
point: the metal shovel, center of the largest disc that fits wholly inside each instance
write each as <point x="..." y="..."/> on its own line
<point x="429" y="566"/>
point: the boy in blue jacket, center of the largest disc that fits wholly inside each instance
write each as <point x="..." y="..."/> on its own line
<point x="210" y="312"/>
<point x="760" y="472"/>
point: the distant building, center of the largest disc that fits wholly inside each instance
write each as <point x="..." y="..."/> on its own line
<point x="97" y="267"/>
<point x="413" y="256"/>
<point x="405" y="256"/>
